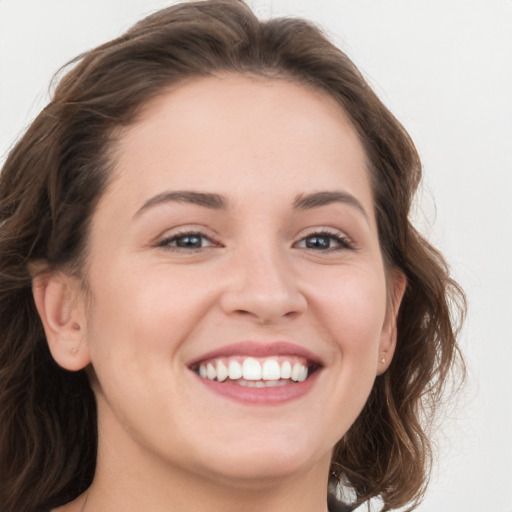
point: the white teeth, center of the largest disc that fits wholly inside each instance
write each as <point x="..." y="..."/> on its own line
<point x="296" y="372"/>
<point x="222" y="371"/>
<point x="235" y="370"/>
<point x="251" y="369"/>
<point x="286" y="370"/>
<point x="271" y="370"/>
<point x="211" y="373"/>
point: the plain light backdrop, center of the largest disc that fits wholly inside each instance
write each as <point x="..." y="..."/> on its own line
<point x="444" y="68"/>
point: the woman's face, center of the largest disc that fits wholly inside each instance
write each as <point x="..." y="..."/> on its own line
<point x="237" y="313"/>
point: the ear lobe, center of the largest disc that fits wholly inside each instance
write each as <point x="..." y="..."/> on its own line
<point x="61" y="311"/>
<point x="389" y="333"/>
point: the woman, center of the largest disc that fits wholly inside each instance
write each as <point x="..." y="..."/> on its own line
<point x="210" y="292"/>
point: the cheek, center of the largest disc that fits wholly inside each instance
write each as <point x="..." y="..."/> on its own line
<point x="142" y="311"/>
<point x="352" y="307"/>
<point x="351" y="317"/>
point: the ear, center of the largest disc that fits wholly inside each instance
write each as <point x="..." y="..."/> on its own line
<point x="61" y="308"/>
<point x="387" y="343"/>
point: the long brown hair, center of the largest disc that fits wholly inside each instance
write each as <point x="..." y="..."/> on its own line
<point x="55" y="175"/>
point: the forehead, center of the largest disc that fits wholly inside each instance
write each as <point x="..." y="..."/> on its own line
<point x="244" y="133"/>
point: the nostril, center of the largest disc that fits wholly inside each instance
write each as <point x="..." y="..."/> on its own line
<point x="243" y="312"/>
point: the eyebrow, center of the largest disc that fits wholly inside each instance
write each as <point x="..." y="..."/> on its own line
<point x="207" y="200"/>
<point x="317" y="199"/>
<point x="219" y="202"/>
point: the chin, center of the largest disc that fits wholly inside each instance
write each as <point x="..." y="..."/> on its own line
<point x="258" y="472"/>
<point x="267" y="459"/>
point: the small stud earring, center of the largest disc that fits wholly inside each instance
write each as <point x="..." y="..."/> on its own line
<point x="383" y="360"/>
<point x="74" y="350"/>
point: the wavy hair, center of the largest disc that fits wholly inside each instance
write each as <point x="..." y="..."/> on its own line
<point x="54" y="176"/>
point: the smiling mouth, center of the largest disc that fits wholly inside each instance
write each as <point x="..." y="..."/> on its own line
<point x="256" y="372"/>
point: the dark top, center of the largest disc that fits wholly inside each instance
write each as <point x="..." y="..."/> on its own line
<point x="336" y="506"/>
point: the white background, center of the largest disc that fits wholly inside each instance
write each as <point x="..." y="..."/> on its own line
<point x="444" y="67"/>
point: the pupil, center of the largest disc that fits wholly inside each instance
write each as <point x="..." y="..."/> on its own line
<point x="317" y="242"/>
<point x="189" y="241"/>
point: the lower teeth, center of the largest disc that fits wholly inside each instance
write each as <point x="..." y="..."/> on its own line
<point x="261" y="383"/>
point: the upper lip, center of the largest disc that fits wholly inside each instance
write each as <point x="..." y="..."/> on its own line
<point x="259" y="349"/>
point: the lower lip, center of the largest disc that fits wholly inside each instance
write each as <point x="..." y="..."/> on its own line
<point x="265" y="396"/>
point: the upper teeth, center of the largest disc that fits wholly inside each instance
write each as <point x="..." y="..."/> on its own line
<point x="252" y="369"/>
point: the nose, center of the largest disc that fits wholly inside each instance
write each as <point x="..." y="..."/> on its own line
<point x="263" y="287"/>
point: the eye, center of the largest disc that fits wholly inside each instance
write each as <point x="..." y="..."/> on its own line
<point x="187" y="241"/>
<point x="325" y="241"/>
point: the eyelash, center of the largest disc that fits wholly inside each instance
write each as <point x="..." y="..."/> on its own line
<point x="342" y="241"/>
